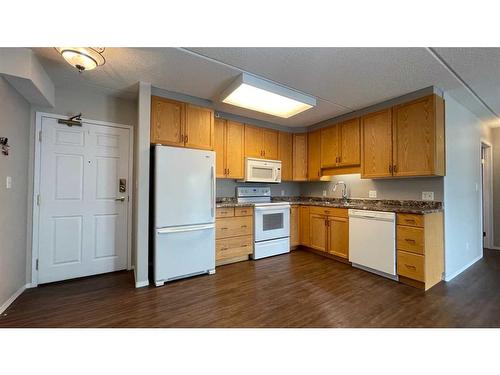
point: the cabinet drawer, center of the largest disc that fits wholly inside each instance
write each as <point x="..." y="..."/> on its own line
<point x="225" y="212"/>
<point x="233" y="226"/>
<point x="329" y="211"/>
<point x="411" y="266"/>
<point x="233" y="247"/>
<point x="411" y="220"/>
<point x="243" y="211"/>
<point x="410" y="239"/>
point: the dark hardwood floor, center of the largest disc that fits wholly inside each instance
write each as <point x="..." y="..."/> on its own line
<point x="300" y="289"/>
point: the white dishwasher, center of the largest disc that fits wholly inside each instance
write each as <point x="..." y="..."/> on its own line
<point x="372" y="241"/>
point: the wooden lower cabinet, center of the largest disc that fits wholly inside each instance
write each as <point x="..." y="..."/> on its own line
<point x="304" y="225"/>
<point x="233" y="234"/>
<point x="420" y="249"/>
<point x="338" y="237"/>
<point x="317" y="230"/>
<point x="294" y="227"/>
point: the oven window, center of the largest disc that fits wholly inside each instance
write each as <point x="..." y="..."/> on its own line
<point x="265" y="173"/>
<point x="272" y="221"/>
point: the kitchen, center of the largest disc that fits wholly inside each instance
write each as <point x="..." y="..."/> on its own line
<point x="401" y="139"/>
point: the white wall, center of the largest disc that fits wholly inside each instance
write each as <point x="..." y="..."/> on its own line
<point x="93" y="104"/>
<point x="141" y="183"/>
<point x="462" y="189"/>
<point x="14" y="124"/>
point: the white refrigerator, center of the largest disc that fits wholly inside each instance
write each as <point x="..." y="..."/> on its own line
<point x="184" y="213"/>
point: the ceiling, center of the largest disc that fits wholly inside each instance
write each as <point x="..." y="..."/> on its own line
<point x="342" y="79"/>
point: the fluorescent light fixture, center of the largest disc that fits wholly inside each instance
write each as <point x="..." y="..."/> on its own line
<point x="260" y="95"/>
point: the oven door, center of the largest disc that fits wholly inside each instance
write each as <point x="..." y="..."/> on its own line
<point x="271" y="222"/>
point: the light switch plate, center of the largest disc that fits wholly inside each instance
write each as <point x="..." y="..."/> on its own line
<point x="427" y="195"/>
<point x="372" y="194"/>
<point x="8" y="182"/>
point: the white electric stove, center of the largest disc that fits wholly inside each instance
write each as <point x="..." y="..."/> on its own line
<point x="271" y="221"/>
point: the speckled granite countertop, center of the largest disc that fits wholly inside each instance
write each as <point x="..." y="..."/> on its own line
<point x="413" y="207"/>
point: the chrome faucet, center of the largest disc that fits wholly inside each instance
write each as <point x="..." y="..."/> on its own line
<point x="344" y="189"/>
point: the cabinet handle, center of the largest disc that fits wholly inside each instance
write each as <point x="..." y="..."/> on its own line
<point x="228" y="171"/>
<point x="410" y="267"/>
<point x="223" y="248"/>
<point x="409" y="240"/>
<point x="318" y="172"/>
<point x="185" y="139"/>
<point x="243" y="226"/>
<point x="395" y="168"/>
<point x="223" y="228"/>
<point x="390" y="168"/>
<point x="340" y="159"/>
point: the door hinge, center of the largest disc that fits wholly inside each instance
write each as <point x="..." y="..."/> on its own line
<point x="38" y="199"/>
<point x="36" y="265"/>
<point x="40" y="136"/>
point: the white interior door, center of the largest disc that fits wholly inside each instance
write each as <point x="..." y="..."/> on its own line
<point x="83" y="215"/>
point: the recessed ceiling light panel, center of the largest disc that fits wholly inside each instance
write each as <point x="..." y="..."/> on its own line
<point x="260" y="95"/>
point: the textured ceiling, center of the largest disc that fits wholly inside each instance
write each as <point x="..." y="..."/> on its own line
<point x="343" y="79"/>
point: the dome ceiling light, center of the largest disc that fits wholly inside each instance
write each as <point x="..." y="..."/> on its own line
<point x="83" y="58"/>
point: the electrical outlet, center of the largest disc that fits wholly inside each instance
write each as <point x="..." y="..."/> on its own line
<point x="8" y="182"/>
<point x="427" y="195"/>
<point x="324" y="193"/>
<point x="372" y="194"/>
<point x="282" y="193"/>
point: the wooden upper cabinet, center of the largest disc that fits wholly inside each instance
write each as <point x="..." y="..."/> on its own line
<point x="167" y="121"/>
<point x="220" y="147"/>
<point x="418" y="137"/>
<point x="330" y="147"/>
<point x="376" y="130"/>
<point x="253" y="142"/>
<point x="285" y="154"/>
<point x="350" y="143"/>
<point x="270" y="144"/>
<point x="300" y="157"/>
<point x="199" y="127"/>
<point x="235" y="141"/>
<point x="314" y="155"/>
<point x="338" y="236"/>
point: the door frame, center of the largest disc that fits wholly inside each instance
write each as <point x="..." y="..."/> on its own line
<point x="36" y="187"/>
<point x="487" y="195"/>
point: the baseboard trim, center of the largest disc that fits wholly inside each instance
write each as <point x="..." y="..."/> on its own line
<point x="140" y="284"/>
<point x="12" y="298"/>
<point x="456" y="273"/>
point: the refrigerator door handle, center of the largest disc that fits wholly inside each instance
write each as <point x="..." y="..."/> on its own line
<point x="187" y="228"/>
<point x="212" y="180"/>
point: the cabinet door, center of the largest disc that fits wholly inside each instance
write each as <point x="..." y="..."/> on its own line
<point x="294" y="226"/>
<point x="270" y="144"/>
<point x="314" y="156"/>
<point x="167" y="121"/>
<point x="338" y="236"/>
<point x="304" y="225"/>
<point x="199" y="127"/>
<point x="377" y="144"/>
<point x="285" y="146"/>
<point x="415" y="138"/>
<point x="350" y="143"/>
<point x="220" y="148"/>
<point x="330" y="147"/>
<point x="317" y="232"/>
<point x="253" y="142"/>
<point x="299" y="157"/>
<point x="235" y="140"/>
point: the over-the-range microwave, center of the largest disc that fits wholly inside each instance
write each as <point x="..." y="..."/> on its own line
<point x="262" y="170"/>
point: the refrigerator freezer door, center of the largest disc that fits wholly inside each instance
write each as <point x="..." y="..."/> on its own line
<point x="183" y="251"/>
<point x="184" y="186"/>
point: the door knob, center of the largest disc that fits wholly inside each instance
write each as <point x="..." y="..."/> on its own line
<point x="121" y="199"/>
